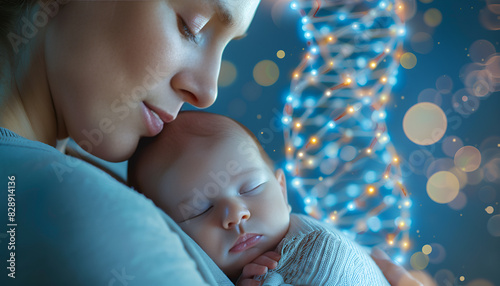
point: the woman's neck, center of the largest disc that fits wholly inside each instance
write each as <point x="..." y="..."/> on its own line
<point x="26" y="107"/>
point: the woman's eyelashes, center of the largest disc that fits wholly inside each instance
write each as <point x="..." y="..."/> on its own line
<point x="185" y="30"/>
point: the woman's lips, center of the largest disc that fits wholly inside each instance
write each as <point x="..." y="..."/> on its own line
<point x="155" y="118"/>
<point x="153" y="121"/>
<point x="245" y="241"/>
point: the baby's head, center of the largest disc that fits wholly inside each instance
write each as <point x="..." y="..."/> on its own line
<point x="213" y="178"/>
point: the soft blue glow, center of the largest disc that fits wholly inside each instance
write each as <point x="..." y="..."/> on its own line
<point x="296" y="182"/>
<point x="362" y="79"/>
<point x="304" y="20"/>
<point x="386" y="157"/>
<point x="298" y="141"/>
<point x="331" y="124"/>
<point x="286" y="120"/>
<point x="382" y="4"/>
<point x="342" y="16"/>
<point x="351" y="206"/>
<point x="293" y="5"/>
<point x="389" y="200"/>
<point x="353" y="190"/>
<point x="392" y="80"/>
<point x="378" y="47"/>
<point x="367" y="100"/>
<point x="374" y="224"/>
<point x="366" y="124"/>
<point x="329" y="200"/>
<point x="289" y="167"/>
<point x="314" y="50"/>
<point x="309" y="102"/>
<point x="370" y="177"/>
<point x="389" y="184"/>
<point x="361" y="62"/>
<point x="289" y="98"/>
<point x="314" y="72"/>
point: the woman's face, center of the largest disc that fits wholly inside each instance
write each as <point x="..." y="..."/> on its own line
<point x="119" y="70"/>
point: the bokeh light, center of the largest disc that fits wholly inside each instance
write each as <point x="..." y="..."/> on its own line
<point x="408" y="60"/>
<point x="426" y="249"/>
<point x="444" y="84"/>
<point x="489" y="209"/>
<point x="227" y="73"/>
<point x="422" y="43"/>
<point x="493" y="6"/>
<point x="280" y="54"/>
<point x="494" y="225"/>
<point x="438" y="253"/>
<point x="451" y="145"/>
<point x="419" y="261"/>
<point x="481" y="50"/>
<point x="430" y="95"/>
<point x="492" y="170"/>
<point x="489" y="19"/>
<point x="443" y="187"/>
<point x="459" y="202"/>
<point x="468" y="159"/>
<point x="433" y="17"/>
<point x="266" y="72"/>
<point x="444" y="277"/>
<point x="424" y="123"/>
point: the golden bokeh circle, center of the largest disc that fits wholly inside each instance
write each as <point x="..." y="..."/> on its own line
<point x="467" y="159"/>
<point x="426" y="249"/>
<point x="266" y="73"/>
<point x="419" y="261"/>
<point x="424" y="123"/>
<point x="280" y="54"/>
<point x="408" y="60"/>
<point x="433" y="17"/>
<point x="443" y="187"/>
<point x="227" y="73"/>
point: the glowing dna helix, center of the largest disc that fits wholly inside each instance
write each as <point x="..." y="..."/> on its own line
<point x="338" y="150"/>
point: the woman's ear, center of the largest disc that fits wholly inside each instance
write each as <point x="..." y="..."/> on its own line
<point x="280" y="177"/>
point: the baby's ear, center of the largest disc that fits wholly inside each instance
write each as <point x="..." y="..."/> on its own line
<point x="280" y="177"/>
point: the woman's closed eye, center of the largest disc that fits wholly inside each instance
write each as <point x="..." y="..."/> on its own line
<point x="185" y="30"/>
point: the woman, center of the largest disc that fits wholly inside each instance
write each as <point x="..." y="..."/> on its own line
<point x="105" y="74"/>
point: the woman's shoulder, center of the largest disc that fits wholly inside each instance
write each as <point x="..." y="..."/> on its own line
<point x="41" y="170"/>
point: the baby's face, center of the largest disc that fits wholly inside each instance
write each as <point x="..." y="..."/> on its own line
<point x="224" y="196"/>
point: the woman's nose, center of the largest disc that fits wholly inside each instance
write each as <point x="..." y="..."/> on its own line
<point x="234" y="214"/>
<point x="197" y="81"/>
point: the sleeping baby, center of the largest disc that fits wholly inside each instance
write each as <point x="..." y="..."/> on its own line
<point x="214" y="179"/>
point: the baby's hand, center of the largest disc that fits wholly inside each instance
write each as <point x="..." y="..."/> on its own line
<point x="259" y="266"/>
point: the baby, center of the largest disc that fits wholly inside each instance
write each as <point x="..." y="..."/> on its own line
<point x="214" y="179"/>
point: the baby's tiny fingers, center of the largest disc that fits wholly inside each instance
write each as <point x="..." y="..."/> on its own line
<point x="273" y="255"/>
<point x="249" y="282"/>
<point x="266" y="261"/>
<point x="254" y="269"/>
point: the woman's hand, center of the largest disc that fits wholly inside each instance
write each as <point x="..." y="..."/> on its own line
<point x="395" y="274"/>
<point x="259" y="266"/>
